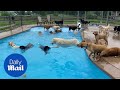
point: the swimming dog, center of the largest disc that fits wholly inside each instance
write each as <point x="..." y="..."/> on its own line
<point x="45" y="48"/>
<point x="64" y="42"/>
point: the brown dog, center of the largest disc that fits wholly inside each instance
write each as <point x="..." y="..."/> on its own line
<point x="47" y="27"/>
<point x="93" y="48"/>
<point x="114" y="51"/>
<point x="100" y="36"/>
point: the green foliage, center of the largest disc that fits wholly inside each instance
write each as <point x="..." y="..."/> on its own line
<point x="5" y="13"/>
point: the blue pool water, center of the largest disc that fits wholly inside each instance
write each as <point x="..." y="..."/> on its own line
<point x="60" y="63"/>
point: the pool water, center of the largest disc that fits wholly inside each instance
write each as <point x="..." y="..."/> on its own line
<point x="60" y="63"/>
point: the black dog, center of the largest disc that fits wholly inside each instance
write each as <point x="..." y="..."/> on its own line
<point x="26" y="47"/>
<point x="59" y="22"/>
<point x="117" y="29"/>
<point x="84" y="22"/>
<point x="45" y="48"/>
<point x="73" y="28"/>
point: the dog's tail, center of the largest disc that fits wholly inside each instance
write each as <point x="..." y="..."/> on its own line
<point x="29" y="46"/>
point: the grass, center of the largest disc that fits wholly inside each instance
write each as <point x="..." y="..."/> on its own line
<point x="4" y="23"/>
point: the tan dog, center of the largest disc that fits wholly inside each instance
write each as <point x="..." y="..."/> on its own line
<point x="104" y="29"/>
<point x="56" y="27"/>
<point x="47" y="27"/>
<point x="64" y="42"/>
<point x="100" y="36"/>
<point x="13" y="45"/>
<point x="93" y="48"/>
<point x="102" y="42"/>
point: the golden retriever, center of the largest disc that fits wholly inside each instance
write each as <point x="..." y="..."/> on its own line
<point x="64" y="42"/>
<point x="102" y="42"/>
<point x="114" y="51"/>
<point x="104" y="29"/>
<point x="100" y="36"/>
<point x="93" y="48"/>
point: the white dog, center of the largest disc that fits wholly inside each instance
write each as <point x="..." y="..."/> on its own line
<point x="104" y="29"/>
<point x="56" y="27"/>
<point x="65" y="42"/>
<point x="79" y="25"/>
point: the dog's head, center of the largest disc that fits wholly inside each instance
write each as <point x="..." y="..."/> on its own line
<point x="11" y="43"/>
<point x="95" y="32"/>
<point x="82" y="44"/>
<point x="53" y="41"/>
<point x="51" y="32"/>
<point x="46" y="48"/>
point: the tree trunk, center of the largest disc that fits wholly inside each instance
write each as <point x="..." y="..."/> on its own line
<point x="116" y="13"/>
<point x="78" y="15"/>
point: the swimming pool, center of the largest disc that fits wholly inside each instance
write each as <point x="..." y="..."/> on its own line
<point x="60" y="63"/>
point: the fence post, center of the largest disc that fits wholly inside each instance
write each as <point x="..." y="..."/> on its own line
<point x="21" y="22"/>
<point x="101" y="17"/>
<point x="10" y="24"/>
<point x="85" y="15"/>
<point x="107" y="17"/>
<point x="78" y="15"/>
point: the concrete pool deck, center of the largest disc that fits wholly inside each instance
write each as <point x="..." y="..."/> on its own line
<point x="15" y="31"/>
<point x="111" y="65"/>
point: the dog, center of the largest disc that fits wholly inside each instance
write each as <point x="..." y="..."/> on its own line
<point x="45" y="48"/>
<point x="56" y="27"/>
<point x="100" y="36"/>
<point x="52" y="32"/>
<point x="47" y="27"/>
<point x="114" y="51"/>
<point x="64" y="42"/>
<point x="117" y="29"/>
<point x="40" y="33"/>
<point x="59" y="22"/>
<point x="28" y="46"/>
<point x="73" y="27"/>
<point x="58" y="30"/>
<point x="104" y="29"/>
<point x="93" y="48"/>
<point x="102" y="42"/>
<point x="84" y="22"/>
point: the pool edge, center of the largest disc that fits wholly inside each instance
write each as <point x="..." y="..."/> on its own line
<point x="95" y="63"/>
